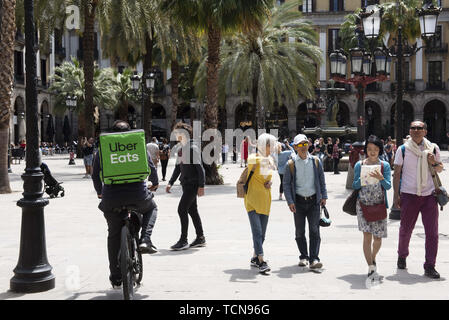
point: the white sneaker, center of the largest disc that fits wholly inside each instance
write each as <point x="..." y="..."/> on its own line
<point x="316" y="265"/>
<point x="372" y="269"/>
<point x="303" y="263"/>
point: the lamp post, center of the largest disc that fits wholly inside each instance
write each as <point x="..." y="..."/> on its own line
<point x="371" y="19"/>
<point x="33" y="272"/>
<point x="70" y="102"/>
<point x="9" y="150"/>
<point x="143" y="87"/>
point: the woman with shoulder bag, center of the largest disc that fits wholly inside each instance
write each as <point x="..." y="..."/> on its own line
<point x="372" y="201"/>
<point x="258" y="196"/>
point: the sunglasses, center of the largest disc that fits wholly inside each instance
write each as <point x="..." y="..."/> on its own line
<point x="417" y="128"/>
<point x="305" y="144"/>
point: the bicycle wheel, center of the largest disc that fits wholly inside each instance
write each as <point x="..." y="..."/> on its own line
<point x="138" y="265"/>
<point x="126" y="264"/>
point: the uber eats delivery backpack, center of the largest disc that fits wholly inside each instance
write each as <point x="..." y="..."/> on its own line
<point x="123" y="157"/>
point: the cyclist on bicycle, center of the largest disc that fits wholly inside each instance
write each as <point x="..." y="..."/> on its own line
<point x="135" y="194"/>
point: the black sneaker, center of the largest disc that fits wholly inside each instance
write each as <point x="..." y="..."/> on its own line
<point x="116" y="283"/>
<point x="146" y="246"/>
<point x="199" y="242"/>
<point x="180" y="245"/>
<point x="432" y="273"/>
<point x="401" y="263"/>
<point x="263" y="267"/>
<point x="255" y="262"/>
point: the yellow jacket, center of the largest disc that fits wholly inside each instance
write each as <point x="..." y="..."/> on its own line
<point x="258" y="197"/>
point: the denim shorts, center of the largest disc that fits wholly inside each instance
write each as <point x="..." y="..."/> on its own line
<point x="88" y="160"/>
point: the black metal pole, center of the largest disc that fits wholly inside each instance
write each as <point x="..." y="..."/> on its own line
<point x="395" y="213"/>
<point x="9" y="150"/>
<point x="72" y="147"/>
<point x="33" y="272"/>
<point x="361" y="113"/>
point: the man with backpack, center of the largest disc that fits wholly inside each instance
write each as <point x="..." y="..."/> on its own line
<point x="305" y="192"/>
<point x="413" y="193"/>
<point x="116" y="195"/>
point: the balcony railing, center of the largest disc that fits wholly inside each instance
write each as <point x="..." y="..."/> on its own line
<point x="408" y="86"/>
<point x="436" y="86"/>
<point x="440" y="48"/>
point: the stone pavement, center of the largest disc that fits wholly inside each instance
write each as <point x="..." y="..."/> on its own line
<point x="76" y="244"/>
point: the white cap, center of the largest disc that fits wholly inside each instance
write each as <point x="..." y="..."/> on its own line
<point x="300" y="138"/>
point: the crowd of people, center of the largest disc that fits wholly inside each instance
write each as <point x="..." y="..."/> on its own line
<point x="300" y="165"/>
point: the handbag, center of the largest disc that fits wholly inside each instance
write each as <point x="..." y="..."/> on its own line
<point x="243" y="182"/>
<point x="375" y="212"/>
<point x="440" y="192"/>
<point x="351" y="202"/>
<point x="324" y="221"/>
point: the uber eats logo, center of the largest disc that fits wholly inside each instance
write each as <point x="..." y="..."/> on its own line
<point x="122" y="158"/>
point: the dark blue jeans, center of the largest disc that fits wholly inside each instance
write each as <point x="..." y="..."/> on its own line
<point x="259" y="224"/>
<point x="310" y="210"/>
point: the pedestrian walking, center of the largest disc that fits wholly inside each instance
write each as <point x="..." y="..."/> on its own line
<point x="234" y="154"/>
<point x="224" y="152"/>
<point x="192" y="177"/>
<point x="336" y="155"/>
<point x="164" y="156"/>
<point x="413" y="193"/>
<point x="153" y="150"/>
<point x="369" y="195"/>
<point x="284" y="154"/>
<point x="356" y="153"/>
<point x="244" y="151"/>
<point x="305" y="191"/>
<point x="258" y="198"/>
<point x="88" y="156"/>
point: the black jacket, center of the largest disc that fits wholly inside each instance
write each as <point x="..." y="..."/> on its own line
<point x="190" y="169"/>
<point x="123" y="193"/>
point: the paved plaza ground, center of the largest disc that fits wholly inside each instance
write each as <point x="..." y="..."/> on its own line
<point x="76" y="241"/>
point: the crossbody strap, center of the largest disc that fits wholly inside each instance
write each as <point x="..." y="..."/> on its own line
<point x="250" y="175"/>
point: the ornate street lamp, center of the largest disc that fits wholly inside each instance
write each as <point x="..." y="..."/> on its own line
<point x="371" y="17"/>
<point x="33" y="273"/>
<point x="70" y="102"/>
<point x="356" y="55"/>
<point x="144" y="84"/>
<point x="367" y="63"/>
<point x="380" y="59"/>
<point x="428" y="18"/>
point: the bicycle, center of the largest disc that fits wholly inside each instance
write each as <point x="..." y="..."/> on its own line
<point x="129" y="257"/>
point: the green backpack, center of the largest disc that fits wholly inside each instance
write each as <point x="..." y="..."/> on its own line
<point x="123" y="157"/>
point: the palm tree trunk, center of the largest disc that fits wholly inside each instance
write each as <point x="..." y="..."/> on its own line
<point x="211" y="112"/>
<point x="174" y="91"/>
<point x="7" y="33"/>
<point x="147" y="66"/>
<point x="123" y="111"/>
<point x="88" y="64"/>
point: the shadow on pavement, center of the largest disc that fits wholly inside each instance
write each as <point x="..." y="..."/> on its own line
<point x="357" y="281"/>
<point x="165" y="252"/>
<point x="243" y="275"/>
<point x="10" y="295"/>
<point x="403" y="277"/>
<point x="112" y="294"/>
<point x="288" y="272"/>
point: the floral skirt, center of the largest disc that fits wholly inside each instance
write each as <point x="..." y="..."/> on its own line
<point x="371" y="194"/>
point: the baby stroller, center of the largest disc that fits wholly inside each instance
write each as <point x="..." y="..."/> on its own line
<point x="52" y="187"/>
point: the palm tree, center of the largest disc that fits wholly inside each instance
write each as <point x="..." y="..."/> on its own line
<point x="69" y="80"/>
<point x="124" y="92"/>
<point x="7" y="35"/>
<point x="215" y="18"/>
<point x="263" y="63"/>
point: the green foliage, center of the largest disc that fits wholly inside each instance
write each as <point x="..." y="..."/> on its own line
<point x="265" y="59"/>
<point x="69" y="80"/>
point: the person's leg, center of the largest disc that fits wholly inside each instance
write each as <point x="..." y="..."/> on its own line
<point x="410" y="207"/>
<point x="367" y="240"/>
<point x="149" y="216"/>
<point x="377" y="243"/>
<point x="300" y="230"/>
<point x="313" y="218"/>
<point x="115" y="223"/>
<point x="281" y="187"/>
<point x="429" y="215"/>
<point x="256" y="230"/>
<point x="193" y="212"/>
<point x="183" y="207"/>
<point x="164" y="169"/>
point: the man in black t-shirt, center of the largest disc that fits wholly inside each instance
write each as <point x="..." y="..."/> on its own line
<point x="88" y="156"/>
